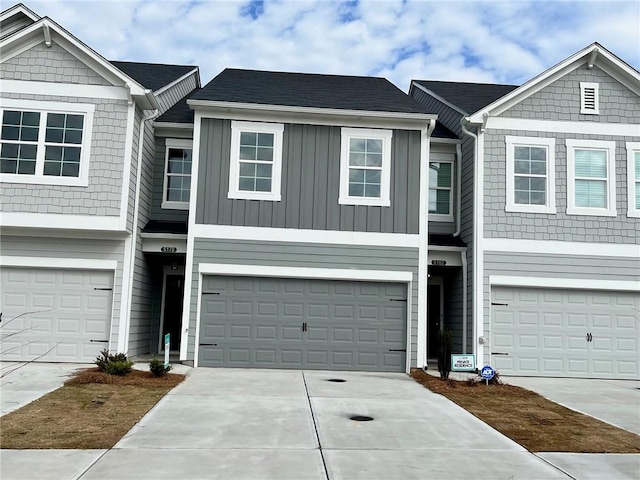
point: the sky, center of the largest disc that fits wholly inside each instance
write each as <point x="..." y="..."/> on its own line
<point x="474" y="41"/>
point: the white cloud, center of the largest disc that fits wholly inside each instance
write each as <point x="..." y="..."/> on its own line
<point x="483" y="41"/>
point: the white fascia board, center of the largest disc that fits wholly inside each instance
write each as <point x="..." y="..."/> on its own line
<point x="58" y="262"/>
<point x="17" y="9"/>
<point x="440" y="99"/>
<point x="304" y="272"/>
<point x="587" y="128"/>
<point x="177" y="130"/>
<point x="63" y="89"/>
<point x="311" y="115"/>
<point x="60" y="221"/>
<point x="160" y="91"/>
<point x="444" y="248"/>
<point x="554" y="247"/>
<point x="565" y="283"/>
<point x="228" y="232"/>
<point x="605" y="60"/>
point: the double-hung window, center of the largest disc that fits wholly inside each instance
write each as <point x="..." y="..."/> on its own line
<point x="530" y="175"/>
<point x="177" y="174"/>
<point x="256" y="160"/>
<point x="45" y="143"/>
<point x="591" y="180"/>
<point x="441" y="187"/>
<point x="633" y="179"/>
<point x="365" y="167"/>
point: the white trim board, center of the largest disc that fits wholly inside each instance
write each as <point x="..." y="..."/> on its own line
<point x="61" y="221"/>
<point x="553" y="247"/>
<point x="565" y="283"/>
<point x="304" y="272"/>
<point x="265" y="234"/>
<point x="58" y="262"/>
<point x="64" y="89"/>
<point x="587" y="128"/>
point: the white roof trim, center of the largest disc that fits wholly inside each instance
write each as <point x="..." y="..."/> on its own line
<point x="439" y="98"/>
<point x="309" y="110"/>
<point x="81" y="51"/>
<point x="178" y="80"/>
<point x="19" y="8"/>
<point x="605" y="60"/>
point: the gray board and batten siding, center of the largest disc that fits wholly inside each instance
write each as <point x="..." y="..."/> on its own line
<point x="157" y="185"/>
<point x="310" y="184"/>
<point x="289" y="254"/>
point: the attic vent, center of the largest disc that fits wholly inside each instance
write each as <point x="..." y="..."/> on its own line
<point x="589" y="98"/>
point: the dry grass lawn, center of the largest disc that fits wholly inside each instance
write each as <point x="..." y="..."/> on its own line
<point x="92" y="410"/>
<point x="536" y="423"/>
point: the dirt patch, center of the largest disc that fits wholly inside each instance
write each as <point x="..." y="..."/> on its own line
<point x="92" y="410"/>
<point x="531" y="420"/>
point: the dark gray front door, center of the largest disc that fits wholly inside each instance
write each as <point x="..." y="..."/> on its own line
<point x="297" y="323"/>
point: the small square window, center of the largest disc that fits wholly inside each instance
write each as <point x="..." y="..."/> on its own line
<point x="441" y="187"/>
<point x="256" y="161"/>
<point x="365" y="167"/>
<point x="177" y="175"/>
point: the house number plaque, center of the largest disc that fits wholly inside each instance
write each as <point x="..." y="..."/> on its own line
<point x="438" y="263"/>
<point x="169" y="249"/>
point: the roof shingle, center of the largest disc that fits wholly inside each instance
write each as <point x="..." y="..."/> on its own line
<point x="153" y="75"/>
<point x="469" y="97"/>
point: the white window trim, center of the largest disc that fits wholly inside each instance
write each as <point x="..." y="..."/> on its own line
<point x="173" y="143"/>
<point x="583" y="109"/>
<point x="610" y="148"/>
<point x="444" y="158"/>
<point x="82" y="180"/>
<point x="550" y="204"/>
<point x="632" y="149"/>
<point x="234" y="168"/>
<point x="385" y="176"/>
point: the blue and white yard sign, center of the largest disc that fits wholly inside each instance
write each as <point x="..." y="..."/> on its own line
<point x="487" y="372"/>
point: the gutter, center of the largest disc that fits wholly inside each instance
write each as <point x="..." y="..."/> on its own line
<point x="133" y="239"/>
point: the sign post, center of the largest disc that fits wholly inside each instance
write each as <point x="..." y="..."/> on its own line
<point x="487" y="373"/>
<point x="167" y="343"/>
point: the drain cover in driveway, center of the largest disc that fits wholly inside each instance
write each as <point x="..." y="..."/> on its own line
<point x="361" y="418"/>
<point x="337" y="380"/>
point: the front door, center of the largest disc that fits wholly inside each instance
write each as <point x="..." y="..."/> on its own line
<point x="172" y="317"/>
<point x="434" y="319"/>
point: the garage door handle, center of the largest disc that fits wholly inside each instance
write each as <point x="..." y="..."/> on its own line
<point x="208" y="344"/>
<point x="304" y="326"/>
<point x="499" y="353"/>
<point x="392" y="350"/>
<point x="500" y="304"/>
<point x="589" y="337"/>
<point x="99" y="341"/>
<point x="105" y="289"/>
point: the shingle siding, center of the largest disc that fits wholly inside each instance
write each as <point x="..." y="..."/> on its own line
<point x="561" y="100"/>
<point x="53" y="64"/>
<point x="103" y="195"/>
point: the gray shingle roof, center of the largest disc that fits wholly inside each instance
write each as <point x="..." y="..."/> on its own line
<point x="308" y="90"/>
<point x="469" y="97"/>
<point x="153" y="75"/>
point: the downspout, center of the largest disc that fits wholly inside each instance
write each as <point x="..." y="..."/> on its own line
<point x="126" y="304"/>
<point x="463" y="123"/>
<point x="423" y="248"/>
<point x="458" y="188"/>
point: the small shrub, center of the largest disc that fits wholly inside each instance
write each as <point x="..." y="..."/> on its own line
<point x="118" y="368"/>
<point x="157" y="368"/>
<point x="445" y="344"/>
<point x="113" y="364"/>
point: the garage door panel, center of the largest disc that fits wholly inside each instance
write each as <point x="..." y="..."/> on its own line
<point x="349" y="325"/>
<point x="564" y="320"/>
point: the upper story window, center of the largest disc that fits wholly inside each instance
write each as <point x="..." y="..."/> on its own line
<point x="177" y="174"/>
<point x="633" y="179"/>
<point x="441" y="187"/>
<point x="365" y="167"/>
<point x="256" y="160"/>
<point x="591" y="180"/>
<point x="45" y="143"/>
<point x="530" y="175"/>
<point x="589" y="98"/>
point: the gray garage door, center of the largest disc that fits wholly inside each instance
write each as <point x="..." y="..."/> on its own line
<point x="51" y="315"/>
<point x="294" y="323"/>
<point x="566" y="333"/>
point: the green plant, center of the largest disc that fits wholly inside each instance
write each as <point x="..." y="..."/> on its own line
<point x="118" y="368"/>
<point x="445" y="344"/>
<point x="157" y="368"/>
<point x="113" y="364"/>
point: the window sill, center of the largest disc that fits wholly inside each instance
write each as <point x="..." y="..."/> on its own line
<point x="175" y="205"/>
<point x="592" y="212"/>
<point x="512" y="208"/>
<point x="633" y="213"/>
<point x="266" y="196"/>
<point x="366" y="202"/>
<point x="43" y="180"/>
